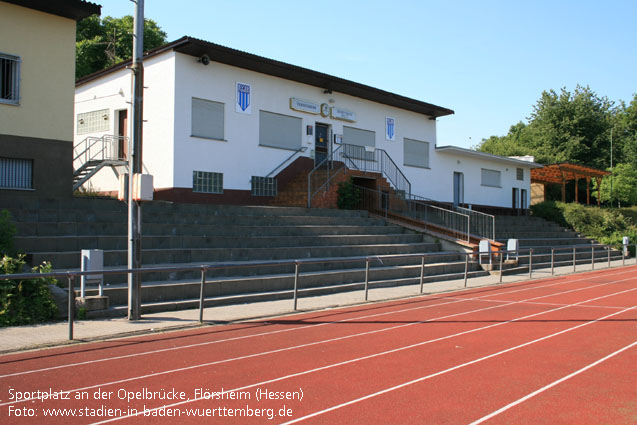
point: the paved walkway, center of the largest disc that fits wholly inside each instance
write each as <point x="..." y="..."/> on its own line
<point x="56" y="334"/>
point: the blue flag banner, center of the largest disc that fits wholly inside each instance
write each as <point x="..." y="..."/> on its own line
<point x="390" y="129"/>
<point x="244" y="98"/>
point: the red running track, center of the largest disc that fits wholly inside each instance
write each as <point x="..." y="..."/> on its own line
<point x="557" y="350"/>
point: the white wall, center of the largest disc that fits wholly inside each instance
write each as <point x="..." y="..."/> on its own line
<point x="240" y="156"/>
<point x="113" y="92"/>
<point x="445" y="164"/>
<point x="171" y="153"/>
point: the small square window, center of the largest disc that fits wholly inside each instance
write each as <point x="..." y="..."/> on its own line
<point x="207" y="182"/>
<point x="520" y="173"/>
<point x="263" y="186"/>
<point x="9" y="79"/>
<point x="93" y="122"/>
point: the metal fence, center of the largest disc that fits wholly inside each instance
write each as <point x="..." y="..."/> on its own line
<point x="570" y="257"/>
<point x="482" y="225"/>
<point x="416" y="210"/>
<point x="102" y="148"/>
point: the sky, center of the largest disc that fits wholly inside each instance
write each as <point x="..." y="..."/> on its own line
<point x="489" y="60"/>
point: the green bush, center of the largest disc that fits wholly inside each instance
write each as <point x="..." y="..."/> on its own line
<point x="7" y="232"/>
<point x="349" y="196"/>
<point x="551" y="211"/>
<point x="606" y="225"/>
<point x="25" y="302"/>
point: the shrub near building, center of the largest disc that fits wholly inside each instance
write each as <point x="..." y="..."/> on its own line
<point x="21" y="301"/>
<point x="607" y="226"/>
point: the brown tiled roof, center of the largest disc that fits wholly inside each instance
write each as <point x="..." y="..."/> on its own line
<point x="562" y="172"/>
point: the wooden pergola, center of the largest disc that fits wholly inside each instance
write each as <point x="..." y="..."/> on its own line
<point x="564" y="172"/>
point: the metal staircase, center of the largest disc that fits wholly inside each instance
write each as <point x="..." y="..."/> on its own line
<point x="94" y="153"/>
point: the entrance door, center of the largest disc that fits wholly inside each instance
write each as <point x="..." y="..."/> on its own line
<point x="523" y="201"/>
<point x="320" y="144"/>
<point x="122" y="133"/>
<point x="515" y="199"/>
<point x="458" y="189"/>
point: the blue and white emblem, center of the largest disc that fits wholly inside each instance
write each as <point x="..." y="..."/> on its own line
<point x="243" y="104"/>
<point x="390" y="129"/>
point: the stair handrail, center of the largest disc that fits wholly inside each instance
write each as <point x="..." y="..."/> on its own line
<point x="333" y="169"/>
<point x="296" y="152"/>
<point x="416" y="209"/>
<point x="483" y="224"/>
<point x="361" y="158"/>
<point x="94" y="148"/>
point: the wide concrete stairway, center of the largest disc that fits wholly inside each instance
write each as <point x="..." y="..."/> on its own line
<point x="542" y="235"/>
<point x="191" y="235"/>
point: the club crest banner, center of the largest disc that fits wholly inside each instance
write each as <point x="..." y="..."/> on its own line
<point x="244" y="98"/>
<point x="390" y="129"/>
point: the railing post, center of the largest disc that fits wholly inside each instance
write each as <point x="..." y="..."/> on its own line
<point x="608" y="249"/>
<point x="366" y="277"/>
<point x="201" y="293"/>
<point x="422" y="274"/>
<point x="552" y="261"/>
<point x="71" y="302"/>
<point x="530" y="263"/>
<point x="574" y="261"/>
<point x="501" y="261"/>
<point x="624" y="256"/>
<point x="466" y="268"/>
<point x="296" y="283"/>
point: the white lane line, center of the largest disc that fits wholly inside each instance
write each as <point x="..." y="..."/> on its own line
<point x="162" y="350"/>
<point x="548" y="304"/>
<point x="552" y="384"/>
<point x="186" y="368"/>
<point x="395" y="350"/>
<point x="451" y="369"/>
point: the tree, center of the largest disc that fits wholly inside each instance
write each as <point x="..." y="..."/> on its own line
<point x="624" y="182"/>
<point x="625" y="134"/>
<point x="564" y="127"/>
<point x="103" y="43"/>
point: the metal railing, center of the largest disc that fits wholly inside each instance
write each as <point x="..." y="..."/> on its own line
<point x="286" y="160"/>
<point x="416" y="210"/>
<point x="72" y="276"/>
<point x="482" y="225"/>
<point x="359" y="158"/>
<point x="98" y="149"/>
<point x="268" y="185"/>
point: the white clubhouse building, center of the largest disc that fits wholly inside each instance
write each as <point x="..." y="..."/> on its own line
<point x="216" y="117"/>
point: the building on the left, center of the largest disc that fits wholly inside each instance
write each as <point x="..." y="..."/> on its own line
<point x="37" y="82"/>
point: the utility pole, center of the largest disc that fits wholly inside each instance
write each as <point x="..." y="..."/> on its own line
<point x="611" y="165"/>
<point x="135" y="166"/>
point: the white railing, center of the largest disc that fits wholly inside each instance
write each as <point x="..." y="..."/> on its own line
<point x="102" y="148"/>
<point x="482" y="225"/>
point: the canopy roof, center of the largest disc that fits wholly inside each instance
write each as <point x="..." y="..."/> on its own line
<point x="562" y="172"/>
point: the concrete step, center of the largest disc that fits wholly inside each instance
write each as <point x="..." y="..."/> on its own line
<point x="250" y="269"/>
<point x="71" y="259"/>
<point x="536" y="235"/>
<point x="542" y="242"/>
<point x="109" y="243"/>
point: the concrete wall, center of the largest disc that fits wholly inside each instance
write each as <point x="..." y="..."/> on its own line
<point x="39" y="128"/>
<point x="46" y="46"/>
